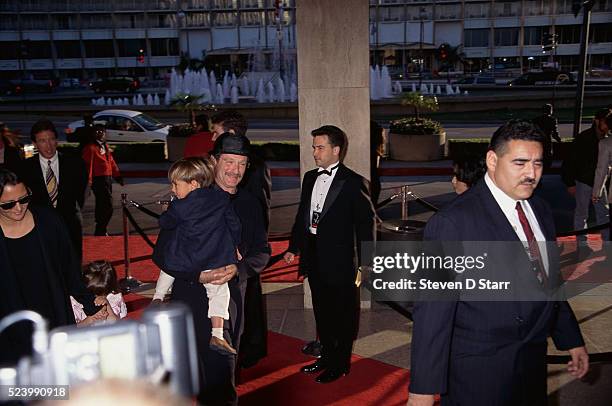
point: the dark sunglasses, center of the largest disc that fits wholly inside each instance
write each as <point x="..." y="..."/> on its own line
<point x="9" y="205"/>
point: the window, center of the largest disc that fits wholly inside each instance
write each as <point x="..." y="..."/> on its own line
<point x="568" y="62"/>
<point x="9" y="50"/>
<point x="252" y="3"/>
<point x="130" y="5"/>
<point x="391" y="13"/>
<point x="99" y="48"/>
<point x="418" y="12"/>
<point x="568" y="34"/>
<point x="478" y="10"/>
<point x="533" y="8"/>
<point x="601" y="61"/>
<point x="448" y="11"/>
<point x="477" y="37"/>
<point x="96" y="21"/>
<point x="198" y="19"/>
<point x="64" y="22"/>
<point x="601" y="33"/>
<point x="68" y="49"/>
<point x="507" y="9"/>
<point x="130" y="21"/>
<point x="251" y="18"/>
<point x="164" y="46"/>
<point x="162" y="20"/>
<point x="505" y="37"/>
<point x="534" y="35"/>
<point x="564" y="7"/>
<point x="131" y="47"/>
<point x="39" y="50"/>
<point x="198" y="4"/>
<point x="35" y="22"/>
<point x="220" y="4"/>
<point x="8" y="23"/>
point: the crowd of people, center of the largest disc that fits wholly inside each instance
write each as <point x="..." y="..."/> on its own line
<point x="213" y="245"/>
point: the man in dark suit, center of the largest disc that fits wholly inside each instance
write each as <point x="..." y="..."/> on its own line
<point x="335" y="215"/>
<point x="494" y="353"/>
<point x="56" y="180"/>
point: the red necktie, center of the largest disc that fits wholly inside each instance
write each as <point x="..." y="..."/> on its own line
<point x="534" y="250"/>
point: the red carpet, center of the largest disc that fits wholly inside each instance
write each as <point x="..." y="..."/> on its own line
<point x="276" y="380"/>
<point x="143" y="269"/>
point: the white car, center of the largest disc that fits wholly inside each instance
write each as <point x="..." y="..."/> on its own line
<point x="127" y="126"/>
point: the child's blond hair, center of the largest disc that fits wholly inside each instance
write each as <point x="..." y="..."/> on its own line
<point x="202" y="170"/>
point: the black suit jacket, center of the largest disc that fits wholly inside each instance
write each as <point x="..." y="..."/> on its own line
<point x="71" y="190"/>
<point x="347" y="220"/>
<point x="487" y="353"/>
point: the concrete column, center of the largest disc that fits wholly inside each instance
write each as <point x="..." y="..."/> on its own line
<point x="334" y="81"/>
<point x="333" y="76"/>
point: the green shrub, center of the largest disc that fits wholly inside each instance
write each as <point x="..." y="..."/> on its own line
<point x="412" y="125"/>
<point x="277" y="151"/>
<point x="181" y="130"/>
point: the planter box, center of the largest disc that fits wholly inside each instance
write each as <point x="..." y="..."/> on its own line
<point x="416" y="147"/>
<point x="176" y="147"/>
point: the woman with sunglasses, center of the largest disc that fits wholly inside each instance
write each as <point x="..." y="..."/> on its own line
<point x="38" y="267"/>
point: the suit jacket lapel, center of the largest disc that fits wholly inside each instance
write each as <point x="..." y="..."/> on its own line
<point x="308" y="184"/>
<point x="499" y="223"/>
<point x="334" y="189"/>
<point x="40" y="178"/>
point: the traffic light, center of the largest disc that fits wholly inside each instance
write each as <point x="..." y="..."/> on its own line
<point x="443" y="52"/>
<point x="549" y="42"/>
<point x="141" y="56"/>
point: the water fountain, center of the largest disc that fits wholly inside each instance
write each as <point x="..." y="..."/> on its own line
<point x="219" y="99"/>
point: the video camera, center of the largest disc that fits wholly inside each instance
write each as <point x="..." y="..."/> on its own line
<point x="160" y="346"/>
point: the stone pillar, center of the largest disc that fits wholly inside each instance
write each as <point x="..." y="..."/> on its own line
<point x="333" y="76"/>
<point x="334" y="80"/>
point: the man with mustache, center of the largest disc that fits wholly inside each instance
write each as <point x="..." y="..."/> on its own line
<point x="217" y="371"/>
<point x="494" y="353"/>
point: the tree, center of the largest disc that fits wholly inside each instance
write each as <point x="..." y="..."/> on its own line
<point x="419" y="102"/>
<point x="190" y="104"/>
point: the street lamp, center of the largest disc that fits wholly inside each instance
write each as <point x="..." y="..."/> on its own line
<point x="422" y="17"/>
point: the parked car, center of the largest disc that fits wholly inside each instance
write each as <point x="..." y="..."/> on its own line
<point x="126" y="125"/>
<point x="553" y="77"/>
<point x="30" y="85"/>
<point x="476" y="80"/>
<point x="125" y="84"/>
<point x="70" y="83"/>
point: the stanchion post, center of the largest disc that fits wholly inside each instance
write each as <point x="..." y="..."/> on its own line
<point x="126" y="235"/>
<point x="404" y="192"/>
<point x="127" y="284"/>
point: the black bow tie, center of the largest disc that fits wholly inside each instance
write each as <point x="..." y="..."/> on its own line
<point x="326" y="172"/>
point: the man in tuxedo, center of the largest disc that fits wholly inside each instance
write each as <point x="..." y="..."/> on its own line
<point x="494" y="353"/>
<point x="56" y="180"/>
<point x="334" y="217"/>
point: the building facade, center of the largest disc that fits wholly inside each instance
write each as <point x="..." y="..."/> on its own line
<point x="93" y="38"/>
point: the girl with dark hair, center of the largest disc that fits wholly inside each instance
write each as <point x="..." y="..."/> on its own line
<point x="39" y="267"/>
<point x="101" y="280"/>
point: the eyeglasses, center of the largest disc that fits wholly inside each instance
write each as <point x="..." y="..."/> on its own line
<point x="9" y="205"/>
